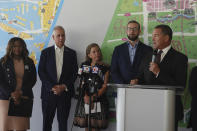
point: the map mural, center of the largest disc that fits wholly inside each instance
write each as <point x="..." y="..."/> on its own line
<point x="180" y="15"/>
<point x="32" y="20"/>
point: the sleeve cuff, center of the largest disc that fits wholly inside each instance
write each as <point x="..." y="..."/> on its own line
<point x="65" y="88"/>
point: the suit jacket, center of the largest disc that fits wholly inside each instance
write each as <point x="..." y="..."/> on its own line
<point x="48" y="74"/>
<point x="8" y="78"/>
<point x="122" y="70"/>
<point x="193" y="92"/>
<point x="173" y="71"/>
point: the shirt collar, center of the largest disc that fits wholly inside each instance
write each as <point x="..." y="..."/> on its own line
<point x="61" y="49"/>
<point x="165" y="50"/>
<point x="135" y="46"/>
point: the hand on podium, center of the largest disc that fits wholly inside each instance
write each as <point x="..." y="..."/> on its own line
<point x="134" y="82"/>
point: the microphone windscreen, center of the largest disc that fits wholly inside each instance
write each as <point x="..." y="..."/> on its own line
<point x="80" y="71"/>
<point x="86" y="69"/>
<point x="95" y="70"/>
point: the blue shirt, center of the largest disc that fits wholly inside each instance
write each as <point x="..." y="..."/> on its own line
<point x="132" y="50"/>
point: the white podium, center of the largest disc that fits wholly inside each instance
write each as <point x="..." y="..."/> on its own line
<point x="145" y="107"/>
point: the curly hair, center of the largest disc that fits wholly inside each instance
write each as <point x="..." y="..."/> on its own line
<point x="10" y="46"/>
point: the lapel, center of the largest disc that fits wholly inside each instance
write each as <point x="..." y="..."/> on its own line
<point x="53" y="61"/>
<point x="127" y="56"/>
<point x="10" y="66"/>
<point x="138" y="53"/>
<point x="26" y="68"/>
<point x="65" y="60"/>
<point x="168" y="56"/>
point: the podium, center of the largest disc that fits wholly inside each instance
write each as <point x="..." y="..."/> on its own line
<point x="145" y="107"/>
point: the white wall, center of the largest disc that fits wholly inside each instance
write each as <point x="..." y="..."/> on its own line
<point x="85" y="21"/>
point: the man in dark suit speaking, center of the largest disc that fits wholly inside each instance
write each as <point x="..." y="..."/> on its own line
<point x="169" y="67"/>
<point x="127" y="56"/>
<point x="57" y="71"/>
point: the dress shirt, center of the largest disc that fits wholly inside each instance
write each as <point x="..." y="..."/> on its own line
<point x="132" y="50"/>
<point x="163" y="54"/>
<point x="165" y="51"/>
<point x="59" y="60"/>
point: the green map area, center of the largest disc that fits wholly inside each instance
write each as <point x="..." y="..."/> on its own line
<point x="180" y="15"/>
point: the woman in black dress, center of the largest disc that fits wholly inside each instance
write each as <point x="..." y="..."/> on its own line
<point x="93" y="84"/>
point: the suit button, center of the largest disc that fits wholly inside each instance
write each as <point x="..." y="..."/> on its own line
<point x="8" y="75"/>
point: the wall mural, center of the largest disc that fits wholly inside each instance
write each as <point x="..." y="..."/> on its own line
<point x="32" y="20"/>
<point x="180" y="15"/>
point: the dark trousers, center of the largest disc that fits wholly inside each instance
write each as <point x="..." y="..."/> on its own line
<point x="49" y="107"/>
<point x="178" y="111"/>
<point x="176" y="125"/>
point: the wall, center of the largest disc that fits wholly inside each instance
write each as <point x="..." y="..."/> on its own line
<point x="85" y="22"/>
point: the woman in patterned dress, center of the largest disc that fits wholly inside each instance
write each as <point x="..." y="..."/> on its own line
<point x="99" y="108"/>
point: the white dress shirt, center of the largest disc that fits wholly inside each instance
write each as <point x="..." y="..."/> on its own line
<point x="163" y="54"/>
<point x="59" y="53"/>
<point x="165" y="51"/>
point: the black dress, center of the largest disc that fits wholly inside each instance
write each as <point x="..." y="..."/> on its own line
<point x="99" y="120"/>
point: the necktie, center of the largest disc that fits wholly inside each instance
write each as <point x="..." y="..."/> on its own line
<point x="158" y="57"/>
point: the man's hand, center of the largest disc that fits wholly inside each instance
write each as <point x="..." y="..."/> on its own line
<point x="134" y="82"/>
<point x="58" y="89"/>
<point x="154" y="68"/>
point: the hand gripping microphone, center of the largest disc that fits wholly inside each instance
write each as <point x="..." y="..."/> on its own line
<point x="154" y="56"/>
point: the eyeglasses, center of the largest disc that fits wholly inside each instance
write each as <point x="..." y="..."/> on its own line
<point x="132" y="29"/>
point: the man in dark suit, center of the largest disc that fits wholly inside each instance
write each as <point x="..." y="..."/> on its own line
<point x="170" y="68"/>
<point x="193" y="92"/>
<point x="57" y="70"/>
<point x="127" y="56"/>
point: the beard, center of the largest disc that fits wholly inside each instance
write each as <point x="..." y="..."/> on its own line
<point x="132" y="38"/>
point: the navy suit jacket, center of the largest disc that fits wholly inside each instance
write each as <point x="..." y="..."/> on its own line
<point x="122" y="70"/>
<point x="8" y="78"/>
<point x="48" y="74"/>
<point x="173" y="71"/>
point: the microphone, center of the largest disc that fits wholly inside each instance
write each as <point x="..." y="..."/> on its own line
<point x="80" y="71"/>
<point x="90" y="78"/>
<point x="83" y="72"/>
<point x="154" y="55"/>
<point x="95" y="70"/>
<point x="86" y="69"/>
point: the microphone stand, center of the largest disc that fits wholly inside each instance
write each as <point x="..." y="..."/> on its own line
<point x="89" y="117"/>
<point x="91" y="92"/>
<point x="79" y="98"/>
